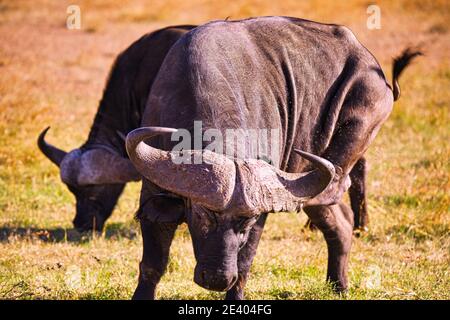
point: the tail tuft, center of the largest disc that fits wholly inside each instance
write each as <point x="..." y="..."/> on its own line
<point x="400" y="63"/>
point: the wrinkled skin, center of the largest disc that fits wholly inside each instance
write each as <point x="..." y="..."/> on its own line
<point x="138" y="66"/>
<point x="120" y="111"/>
<point x="271" y="67"/>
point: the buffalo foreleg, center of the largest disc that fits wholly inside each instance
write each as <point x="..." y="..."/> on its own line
<point x="157" y="238"/>
<point x="336" y="223"/>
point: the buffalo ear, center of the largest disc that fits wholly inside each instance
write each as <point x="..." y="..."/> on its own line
<point x="162" y="208"/>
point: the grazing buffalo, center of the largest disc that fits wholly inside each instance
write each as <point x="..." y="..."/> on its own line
<point x="96" y="173"/>
<point x="315" y="83"/>
<point x="97" y="186"/>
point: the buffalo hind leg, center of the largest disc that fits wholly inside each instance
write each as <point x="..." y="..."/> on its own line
<point x="157" y="238"/>
<point x="245" y="259"/>
<point x="336" y="224"/>
<point x="357" y="193"/>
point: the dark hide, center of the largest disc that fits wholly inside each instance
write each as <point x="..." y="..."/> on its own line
<point x="96" y="173"/>
<point x="315" y="82"/>
<point x="128" y="86"/>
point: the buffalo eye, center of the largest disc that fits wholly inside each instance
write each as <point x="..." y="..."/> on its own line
<point x="211" y="220"/>
<point x="206" y="220"/>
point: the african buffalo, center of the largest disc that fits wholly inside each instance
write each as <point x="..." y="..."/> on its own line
<point x="313" y="82"/>
<point x="120" y="110"/>
<point x="96" y="173"/>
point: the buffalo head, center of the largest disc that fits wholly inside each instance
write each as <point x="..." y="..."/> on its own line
<point x="224" y="197"/>
<point x="95" y="176"/>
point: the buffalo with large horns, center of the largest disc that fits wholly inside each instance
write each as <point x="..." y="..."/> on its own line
<point x="97" y="172"/>
<point x="313" y="82"/>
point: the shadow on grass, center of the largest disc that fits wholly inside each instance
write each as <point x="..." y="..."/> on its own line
<point x="112" y="231"/>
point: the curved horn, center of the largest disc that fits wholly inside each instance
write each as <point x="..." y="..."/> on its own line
<point x="317" y="181"/>
<point x="306" y="185"/>
<point x="54" y="154"/>
<point x="284" y="191"/>
<point x="210" y="183"/>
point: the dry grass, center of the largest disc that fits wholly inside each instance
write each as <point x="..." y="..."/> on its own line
<point x="53" y="76"/>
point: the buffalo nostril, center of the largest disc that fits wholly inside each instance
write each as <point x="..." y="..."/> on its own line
<point x="232" y="282"/>
<point x="214" y="280"/>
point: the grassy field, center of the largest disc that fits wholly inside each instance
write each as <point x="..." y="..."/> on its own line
<point x="50" y="75"/>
